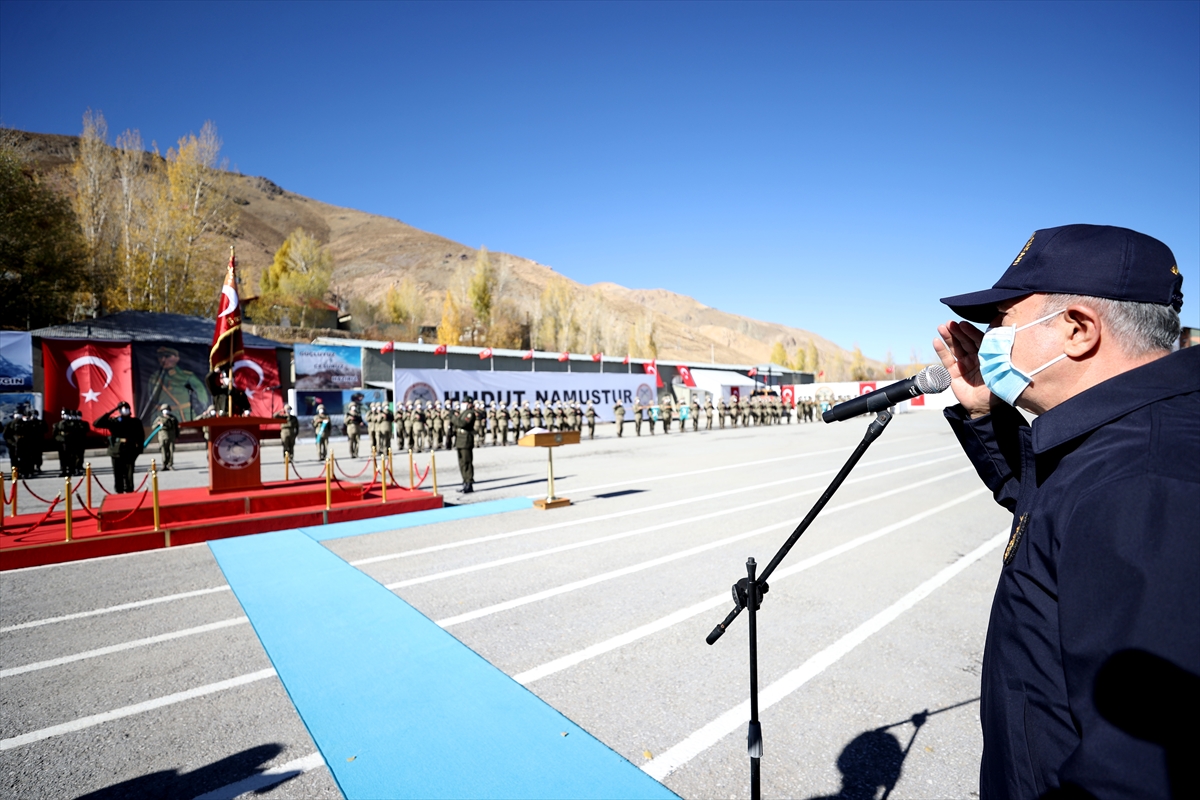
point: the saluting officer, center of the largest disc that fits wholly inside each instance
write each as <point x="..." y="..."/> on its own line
<point x="463" y="424"/>
<point x="125" y="441"/>
<point x="289" y="429"/>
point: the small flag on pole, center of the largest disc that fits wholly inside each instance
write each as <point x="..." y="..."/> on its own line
<point x="388" y="347"/>
<point x="597" y="356"/>
<point x="440" y="350"/>
<point x="565" y="356"/>
<point x="626" y="361"/>
<point x="753" y="371"/>
<point x="528" y="355"/>
<point x="485" y="353"/>
<point x="227" y="335"/>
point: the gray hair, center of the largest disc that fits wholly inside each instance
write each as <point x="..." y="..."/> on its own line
<point x="1139" y="328"/>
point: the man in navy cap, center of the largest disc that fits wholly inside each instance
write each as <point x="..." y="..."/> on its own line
<point x="1093" y="647"/>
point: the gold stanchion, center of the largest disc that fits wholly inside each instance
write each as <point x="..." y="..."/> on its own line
<point x="329" y="483"/>
<point x="287" y="463"/>
<point x="433" y="469"/>
<point x="154" y="491"/>
<point x="391" y="463"/>
<point x="384" y="483"/>
<point x="14" y="483"/>
<point x="374" y="459"/>
<point x="68" y="517"/>
<point x="3" y="499"/>
<point x="87" y="479"/>
<point x="410" y="473"/>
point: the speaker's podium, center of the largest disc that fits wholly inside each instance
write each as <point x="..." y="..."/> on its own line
<point x="234" y="453"/>
<point x="549" y="440"/>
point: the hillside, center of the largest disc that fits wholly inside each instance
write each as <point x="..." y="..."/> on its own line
<point x="373" y="252"/>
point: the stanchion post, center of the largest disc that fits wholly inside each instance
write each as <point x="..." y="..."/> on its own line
<point x="433" y="468"/>
<point x="154" y="490"/>
<point x="410" y="470"/>
<point x="551" y="497"/>
<point x="287" y="463"/>
<point x="15" y="476"/>
<point x="391" y="463"/>
<point x="3" y="499"/>
<point x="68" y="517"/>
<point x="87" y="479"/>
<point x="329" y="483"/>
<point x="384" y="482"/>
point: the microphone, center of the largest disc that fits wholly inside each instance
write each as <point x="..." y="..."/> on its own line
<point x="931" y="380"/>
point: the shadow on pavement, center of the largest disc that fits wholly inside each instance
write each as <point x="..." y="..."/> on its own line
<point x="174" y="784"/>
<point x="622" y="493"/>
<point x="874" y="759"/>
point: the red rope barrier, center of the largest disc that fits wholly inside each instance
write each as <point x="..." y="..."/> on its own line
<point x="96" y="478"/>
<point x="38" y="524"/>
<point x="86" y="510"/>
<point x="347" y="474"/>
<point x="298" y="475"/>
<point x="421" y="477"/>
<point x="131" y="513"/>
<point x="9" y="500"/>
<point x="35" y="496"/>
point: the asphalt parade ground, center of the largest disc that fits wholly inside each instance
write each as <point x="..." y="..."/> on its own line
<point x="147" y="676"/>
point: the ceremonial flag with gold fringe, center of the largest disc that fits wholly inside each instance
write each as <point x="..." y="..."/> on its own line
<point x="227" y="336"/>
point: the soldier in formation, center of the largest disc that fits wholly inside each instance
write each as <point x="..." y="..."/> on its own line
<point x="354" y="423"/>
<point x="322" y="428"/>
<point x="590" y="414"/>
<point x="619" y="417"/>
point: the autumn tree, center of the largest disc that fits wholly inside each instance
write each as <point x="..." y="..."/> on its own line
<point x="812" y="358"/>
<point x="43" y="258"/>
<point x="778" y="355"/>
<point x="91" y="174"/>
<point x="404" y="305"/>
<point x="481" y="290"/>
<point x="643" y="337"/>
<point x="298" y="278"/>
<point x="558" y="315"/>
<point x="858" y="365"/>
<point x="450" y="329"/>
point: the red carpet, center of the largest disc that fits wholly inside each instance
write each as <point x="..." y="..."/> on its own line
<point x="186" y="516"/>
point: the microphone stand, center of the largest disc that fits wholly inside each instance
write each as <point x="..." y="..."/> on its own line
<point x="748" y="594"/>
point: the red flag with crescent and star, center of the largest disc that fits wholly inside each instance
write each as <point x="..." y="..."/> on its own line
<point x="485" y="353"/>
<point x="651" y="368"/>
<point x="686" y="374"/>
<point x="440" y="350"/>
<point x="257" y="372"/>
<point x="89" y="376"/>
<point x="227" y="336"/>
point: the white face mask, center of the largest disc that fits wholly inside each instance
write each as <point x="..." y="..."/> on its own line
<point x="995" y="361"/>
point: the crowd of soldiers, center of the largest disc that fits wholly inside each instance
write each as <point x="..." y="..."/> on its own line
<point x="23" y="436"/>
<point x="428" y="425"/>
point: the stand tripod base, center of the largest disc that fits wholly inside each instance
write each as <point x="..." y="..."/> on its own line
<point x="547" y="503"/>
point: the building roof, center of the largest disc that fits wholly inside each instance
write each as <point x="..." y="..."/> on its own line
<point x="147" y="326"/>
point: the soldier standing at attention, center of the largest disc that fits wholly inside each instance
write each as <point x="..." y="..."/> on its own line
<point x="708" y="412"/>
<point x="480" y="422"/>
<point x="502" y="423"/>
<point x="168" y="432"/>
<point x="538" y="419"/>
<point x="60" y="436"/>
<point x="75" y="432"/>
<point x="721" y="413"/>
<point x="126" y="435"/>
<point x="321" y="427"/>
<point x="526" y="420"/>
<point x="619" y="417"/>
<point x="491" y="420"/>
<point x="437" y="428"/>
<point x="420" y="418"/>
<point x="289" y="429"/>
<point x="667" y="409"/>
<point x="354" y="423"/>
<point x="637" y="417"/>
<point x="514" y="421"/>
<point x="590" y="413"/>
<point x="572" y="419"/>
<point x="462" y="422"/>
<point x="36" y="435"/>
<point x="695" y="414"/>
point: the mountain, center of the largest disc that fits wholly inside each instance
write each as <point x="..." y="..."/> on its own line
<point x="373" y="252"/>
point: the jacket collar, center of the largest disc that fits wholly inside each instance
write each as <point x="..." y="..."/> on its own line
<point x="1175" y="374"/>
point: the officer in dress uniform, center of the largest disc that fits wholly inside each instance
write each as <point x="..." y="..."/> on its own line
<point x="125" y="442"/>
<point x="463" y="424"/>
<point x="75" y="432"/>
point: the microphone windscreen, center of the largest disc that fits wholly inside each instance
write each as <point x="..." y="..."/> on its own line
<point x="933" y="379"/>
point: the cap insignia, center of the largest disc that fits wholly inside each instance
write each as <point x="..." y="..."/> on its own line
<point x="1024" y="250"/>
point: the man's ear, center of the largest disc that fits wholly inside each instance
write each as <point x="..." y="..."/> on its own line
<point x="1085" y="331"/>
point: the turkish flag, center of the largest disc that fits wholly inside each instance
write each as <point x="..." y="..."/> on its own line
<point x="626" y="361"/>
<point x="866" y="388"/>
<point x="485" y="353"/>
<point x="789" y="396"/>
<point x="597" y="356"/>
<point x="686" y="374"/>
<point x="753" y="371"/>
<point x="565" y="356"/>
<point x="651" y="368"/>
<point x="388" y="348"/>
<point x="227" y="335"/>
<point x="440" y="350"/>
<point x="257" y="372"/>
<point x="527" y="356"/>
<point x="86" y="375"/>
<point x="889" y="369"/>
<point x="821" y="374"/>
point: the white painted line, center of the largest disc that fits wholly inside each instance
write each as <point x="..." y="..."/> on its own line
<point x="129" y="711"/>
<point x="94" y="559"/>
<point x="722" y="599"/>
<point x="117" y="648"/>
<point x="723" y="468"/>
<point x="663" y="765"/>
<point x="638" y="531"/>
<point x="508" y="605"/>
<point x="110" y="609"/>
<point x="629" y="512"/>
<point x="266" y="779"/>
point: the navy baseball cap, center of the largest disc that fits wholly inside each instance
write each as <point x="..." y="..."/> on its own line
<point x="1093" y="260"/>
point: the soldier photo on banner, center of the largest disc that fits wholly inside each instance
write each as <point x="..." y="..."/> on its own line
<point x="172" y="374"/>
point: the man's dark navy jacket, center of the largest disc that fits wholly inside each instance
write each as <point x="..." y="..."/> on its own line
<point x="1104" y="556"/>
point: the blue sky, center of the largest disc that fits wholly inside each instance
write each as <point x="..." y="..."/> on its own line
<point x="837" y="167"/>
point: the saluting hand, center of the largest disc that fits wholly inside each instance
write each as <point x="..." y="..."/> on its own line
<point x="958" y="348"/>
